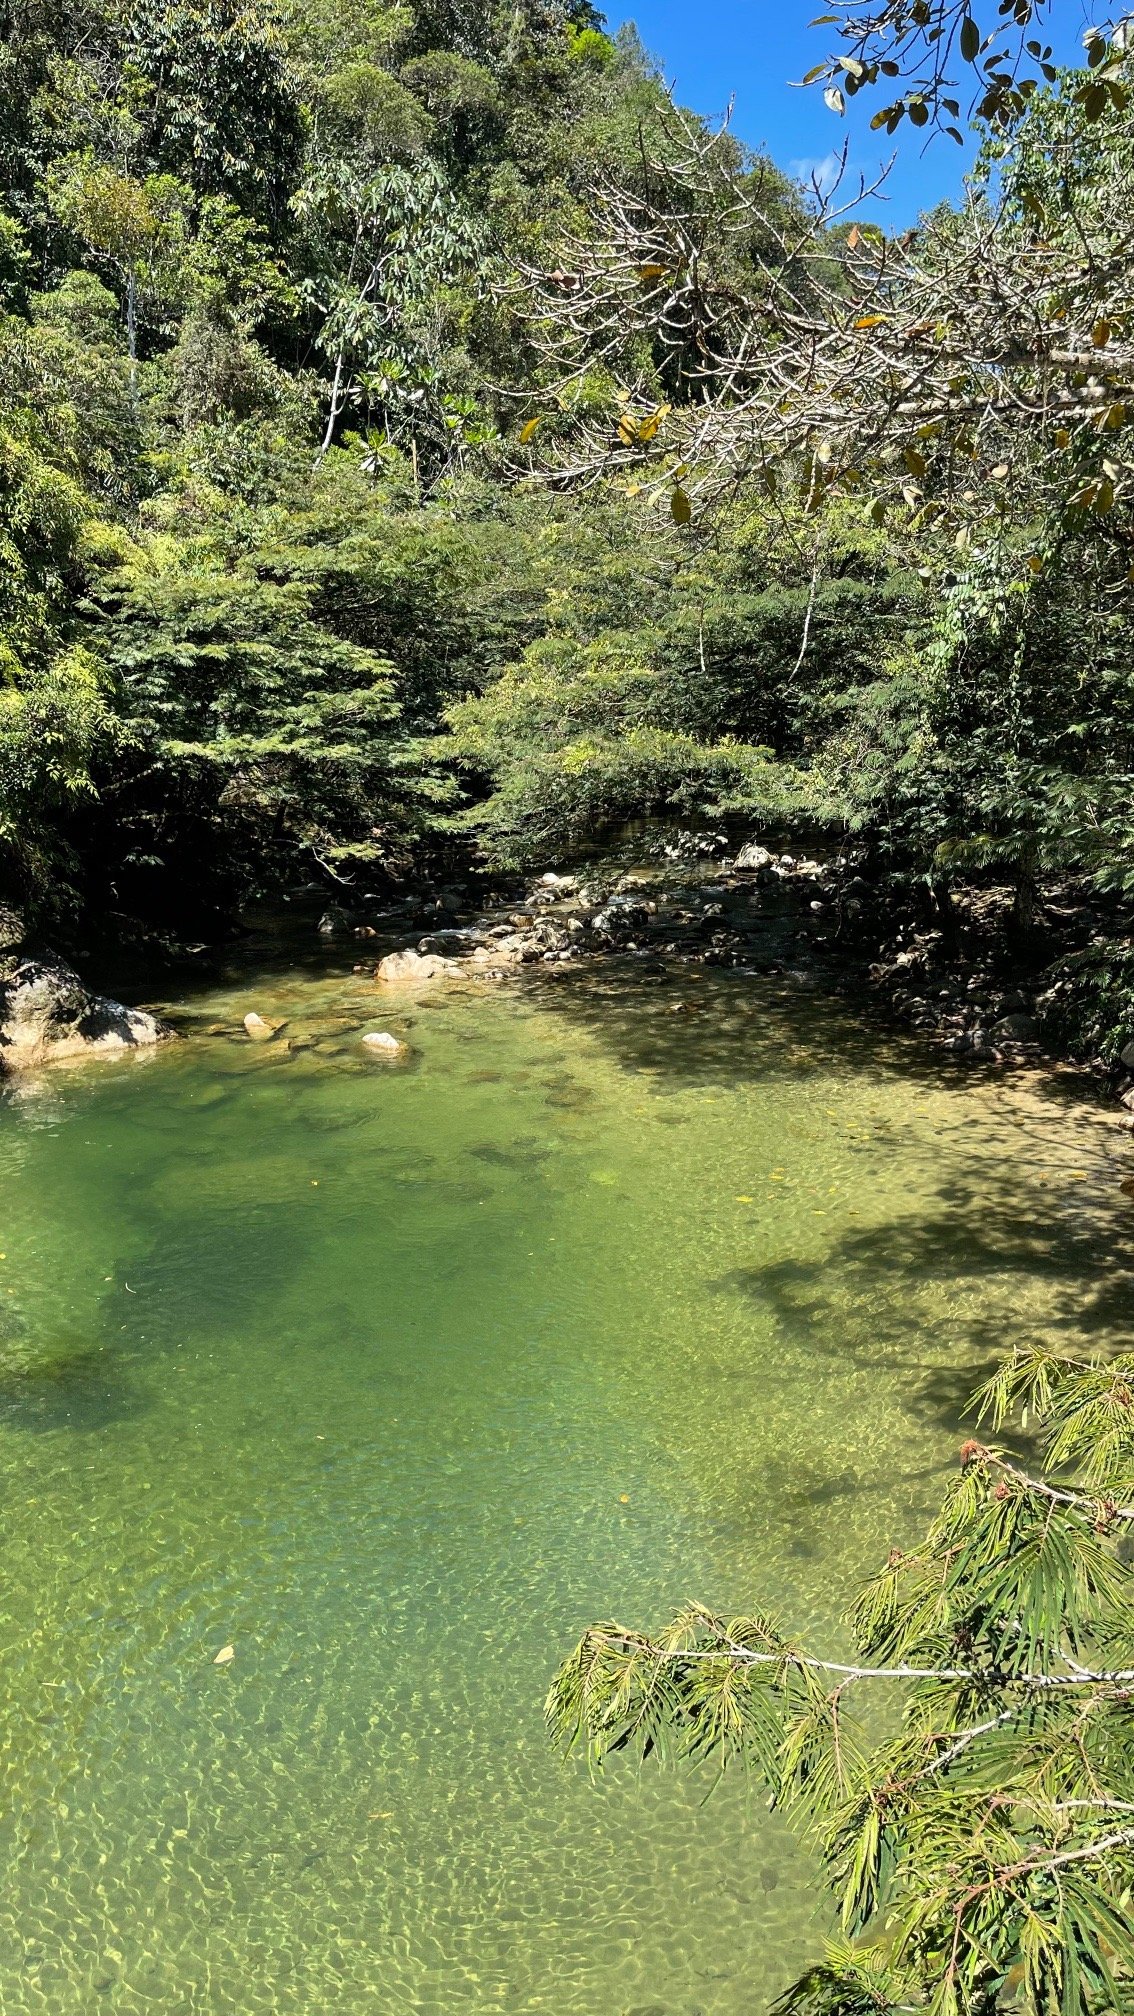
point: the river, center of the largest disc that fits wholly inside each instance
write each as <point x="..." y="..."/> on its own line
<point x="391" y="1380"/>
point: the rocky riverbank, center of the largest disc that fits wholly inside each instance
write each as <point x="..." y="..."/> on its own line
<point x="47" y="1016"/>
<point x="686" y="899"/>
<point x="967" y="988"/>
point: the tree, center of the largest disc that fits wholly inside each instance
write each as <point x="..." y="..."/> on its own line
<point x="982" y="1849"/>
<point x="931" y="48"/>
<point x="386" y="246"/>
<point x="979" y="360"/>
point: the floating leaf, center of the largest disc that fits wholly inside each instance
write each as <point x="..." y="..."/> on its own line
<point x="226" y="1653"/>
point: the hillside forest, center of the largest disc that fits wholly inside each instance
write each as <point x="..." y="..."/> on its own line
<point x="421" y="439"/>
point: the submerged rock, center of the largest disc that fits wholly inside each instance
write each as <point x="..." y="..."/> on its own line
<point x="387" y="1048"/>
<point x="47" y="1014"/>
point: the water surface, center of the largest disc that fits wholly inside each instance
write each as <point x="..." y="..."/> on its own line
<point x="392" y="1380"/>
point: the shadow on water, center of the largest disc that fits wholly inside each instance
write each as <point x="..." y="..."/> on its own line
<point x="997" y="1240"/>
<point x="702" y="1025"/>
<point x="80" y="1387"/>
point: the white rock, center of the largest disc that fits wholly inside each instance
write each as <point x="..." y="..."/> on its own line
<point x="260" y="1030"/>
<point x="411" y="965"/>
<point x="383" y="1045"/>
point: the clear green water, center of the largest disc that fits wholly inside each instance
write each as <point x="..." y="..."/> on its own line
<point x="393" y="1381"/>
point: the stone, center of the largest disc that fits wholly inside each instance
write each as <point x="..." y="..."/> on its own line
<point x="260" y="1029"/>
<point x="1126" y="1056"/>
<point x="622" y="913"/>
<point x="408" y="965"/>
<point x="388" y="1048"/>
<point x="46" y="1015"/>
<point x="1017" y="1029"/>
<point x="447" y="944"/>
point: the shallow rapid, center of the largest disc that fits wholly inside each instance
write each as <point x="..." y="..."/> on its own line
<point x="391" y="1380"/>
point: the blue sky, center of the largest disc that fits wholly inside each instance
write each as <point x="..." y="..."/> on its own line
<point x="713" y="50"/>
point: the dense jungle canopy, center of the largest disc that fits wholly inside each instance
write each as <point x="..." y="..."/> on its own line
<point x="417" y="433"/>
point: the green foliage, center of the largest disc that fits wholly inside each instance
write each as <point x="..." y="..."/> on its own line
<point x="982" y="1852"/>
<point x="58" y="725"/>
<point x="671" y="672"/>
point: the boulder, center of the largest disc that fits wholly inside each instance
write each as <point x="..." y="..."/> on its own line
<point x="386" y="1048"/>
<point x="260" y="1029"/>
<point x="752" y="855"/>
<point x="1017" y="1029"/>
<point x="622" y="913"/>
<point x="47" y="1014"/>
<point x="448" y="944"/>
<point x="402" y="966"/>
<point x="1126" y="1056"/>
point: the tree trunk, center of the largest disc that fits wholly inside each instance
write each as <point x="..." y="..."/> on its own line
<point x="1023" y="903"/>
<point x="132" y="334"/>
<point x="947" y="914"/>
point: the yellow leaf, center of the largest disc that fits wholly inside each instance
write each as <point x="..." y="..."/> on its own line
<point x="1100" y="334"/>
<point x="226" y="1653"/>
<point x="527" y="431"/>
<point x="652" y="272"/>
<point x="649" y="427"/>
<point x="1062" y="437"/>
<point x="1035" y="564"/>
<point x="915" y="463"/>
<point x="1000" y="472"/>
<point x="628" y="429"/>
<point x="869" y="321"/>
<point x="680" y="506"/>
